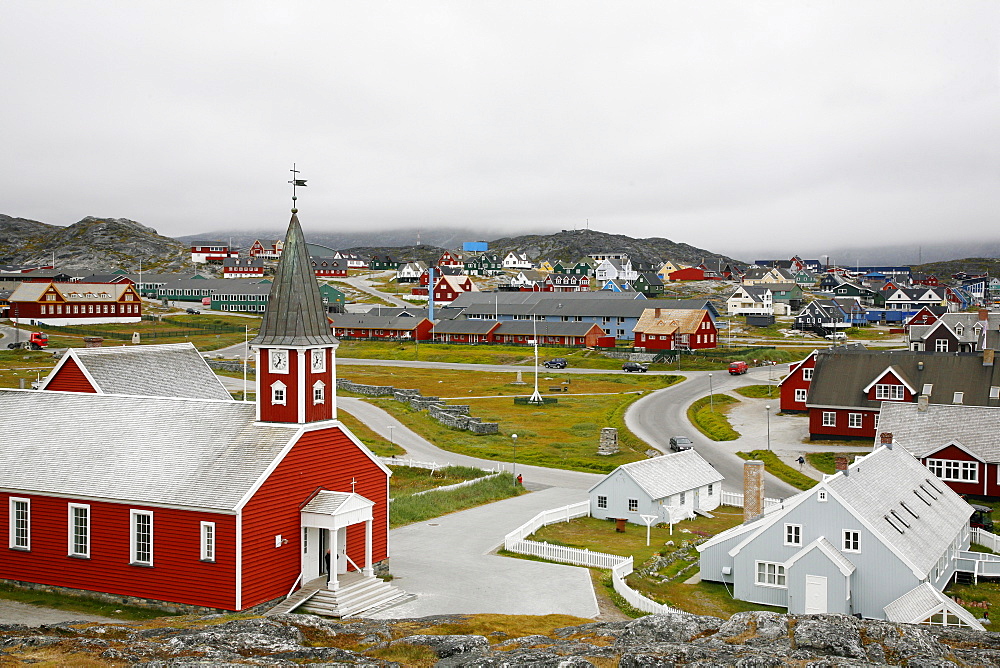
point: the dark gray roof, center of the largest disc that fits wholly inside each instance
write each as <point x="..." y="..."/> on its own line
<point x="295" y="315"/>
<point x="370" y="321"/>
<point x="604" y="303"/>
<point x="170" y="370"/>
<point x="524" y="328"/>
<point x="840" y="377"/>
<point x="464" y="326"/>
<point x="161" y="451"/>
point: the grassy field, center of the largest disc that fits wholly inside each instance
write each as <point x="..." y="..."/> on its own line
<point x="779" y="469"/>
<point x="708" y="415"/>
<point x="409" y="509"/>
<point x="380" y="446"/>
<point x="759" y="391"/>
<point x="24" y="365"/>
<point x="407" y="480"/>
<point x="825" y="462"/>
<point x="702" y="598"/>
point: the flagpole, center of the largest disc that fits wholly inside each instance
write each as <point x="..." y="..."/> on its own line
<point x="246" y="356"/>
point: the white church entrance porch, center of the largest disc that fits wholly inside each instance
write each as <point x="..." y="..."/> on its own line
<point x="325" y="519"/>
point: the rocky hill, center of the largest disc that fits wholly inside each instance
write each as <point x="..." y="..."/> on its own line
<point x="91" y="245"/>
<point x="757" y="639"/>
<point x="972" y="265"/>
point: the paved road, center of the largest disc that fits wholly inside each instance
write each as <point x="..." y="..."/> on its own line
<point x="13" y="612"/>
<point x="363" y="285"/>
<point x="662" y="414"/>
<point x="446" y="561"/>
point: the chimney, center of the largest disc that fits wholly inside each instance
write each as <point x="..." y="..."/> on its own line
<point x="984" y="315"/>
<point x="922" y="402"/>
<point x="886" y="436"/>
<point x="920" y="365"/>
<point x="840" y="462"/>
<point x="656" y="313"/>
<point x="753" y="489"/>
<point x="988" y="355"/>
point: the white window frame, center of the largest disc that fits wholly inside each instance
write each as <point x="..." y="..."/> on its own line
<point x="319" y="392"/>
<point x="279" y="394"/>
<point x="890" y="392"/>
<point x="770" y="574"/>
<point x="807" y="374"/>
<point x="821" y="496"/>
<point x="133" y="537"/>
<point x="633" y="505"/>
<point x="801" y="394"/>
<point x="855" y="420"/>
<point x="954" y="470"/>
<point x="829" y="418"/>
<point x="994" y="391"/>
<point x="793" y="535"/>
<point x="851" y="540"/>
<point x="71" y="531"/>
<point x="602" y="501"/>
<point x="958" y="398"/>
<point x="207" y="541"/>
<point x="14" y="543"/>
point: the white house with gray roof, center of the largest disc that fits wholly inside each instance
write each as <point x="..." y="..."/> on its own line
<point x="671" y="487"/>
<point x="858" y="541"/>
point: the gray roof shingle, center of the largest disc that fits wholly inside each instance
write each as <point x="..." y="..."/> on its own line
<point x="924" y="432"/>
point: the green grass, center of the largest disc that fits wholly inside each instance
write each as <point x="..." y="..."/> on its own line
<point x="825" y="462"/>
<point x="410" y="509"/>
<point x="779" y="469"/>
<point x="377" y="444"/>
<point x="26" y="365"/>
<point x="759" y="391"/>
<point x="984" y="591"/>
<point x="82" y="604"/>
<point x="708" y="415"/>
<point x="407" y="480"/>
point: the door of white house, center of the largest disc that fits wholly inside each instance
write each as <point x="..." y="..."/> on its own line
<point x="815" y="595"/>
<point x="696" y="496"/>
<point x="341" y="552"/>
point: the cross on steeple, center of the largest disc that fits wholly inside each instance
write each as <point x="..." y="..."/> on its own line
<point x="353" y="483"/>
<point x="295" y="182"/>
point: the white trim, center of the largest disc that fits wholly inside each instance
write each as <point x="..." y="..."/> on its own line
<point x="895" y="373"/>
<point x="239" y="560"/>
<point x="843" y="564"/>
<point x="798" y="536"/>
<point x="777" y="565"/>
<point x="204" y="540"/>
<point x="313" y="358"/>
<point x="11" y="524"/>
<point x="71" y="530"/>
<point x="82" y="497"/>
<point x="302" y="368"/>
<point x="276" y="387"/>
<point x="852" y="535"/>
<point x="269" y="470"/>
<point x="321" y="386"/>
<point x="133" y="513"/>
<point x="274" y="354"/>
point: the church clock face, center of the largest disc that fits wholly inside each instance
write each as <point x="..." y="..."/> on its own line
<point x="318" y="360"/>
<point x="279" y="360"/>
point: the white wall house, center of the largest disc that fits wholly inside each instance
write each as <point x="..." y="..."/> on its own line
<point x="670" y="486"/>
<point x="517" y="261"/>
<point x="750" y="300"/>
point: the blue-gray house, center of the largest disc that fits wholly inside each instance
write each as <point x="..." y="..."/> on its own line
<point x="867" y="540"/>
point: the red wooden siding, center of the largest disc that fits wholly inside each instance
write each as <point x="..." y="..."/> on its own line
<point x="987" y="483"/>
<point x="841" y="428"/>
<point x="276" y="412"/>
<point x="177" y="575"/>
<point x="321" y="459"/>
<point x="70" y="378"/>
<point x="324" y="411"/>
<point x="796" y="381"/>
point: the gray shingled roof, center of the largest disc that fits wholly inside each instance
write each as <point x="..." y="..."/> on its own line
<point x="875" y="486"/>
<point x="464" y="326"/>
<point x="839" y="380"/>
<point x="524" y="328"/>
<point x="666" y="475"/>
<point x="918" y="604"/>
<point x="925" y="432"/>
<point x="143" y="450"/>
<point x="295" y="315"/>
<point x="370" y="321"/>
<point x="173" y="370"/>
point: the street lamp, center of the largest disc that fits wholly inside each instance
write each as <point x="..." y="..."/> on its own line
<point x="391" y="443"/>
<point x="513" y="437"/>
<point x="711" y="399"/>
<point x="768" y="409"/>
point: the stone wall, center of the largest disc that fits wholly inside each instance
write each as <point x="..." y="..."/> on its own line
<point x="231" y="366"/>
<point x="456" y="417"/>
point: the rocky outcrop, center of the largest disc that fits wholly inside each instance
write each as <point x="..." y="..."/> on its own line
<point x="750" y="639"/>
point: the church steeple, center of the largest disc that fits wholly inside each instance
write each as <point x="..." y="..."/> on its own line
<point x="295" y="348"/>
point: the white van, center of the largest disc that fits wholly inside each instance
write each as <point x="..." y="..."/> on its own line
<point x="836" y="336"/>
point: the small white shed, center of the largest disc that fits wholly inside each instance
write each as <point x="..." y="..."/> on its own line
<point x="682" y="480"/>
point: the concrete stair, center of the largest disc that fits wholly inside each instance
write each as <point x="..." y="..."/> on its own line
<point x="357" y="595"/>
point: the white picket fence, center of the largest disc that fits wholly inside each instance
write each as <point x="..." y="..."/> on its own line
<point x="986" y="539"/>
<point x="433" y="466"/>
<point x="464" y="483"/>
<point x="736" y="499"/>
<point x="516" y="541"/>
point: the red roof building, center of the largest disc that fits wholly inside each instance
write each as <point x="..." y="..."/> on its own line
<point x="64" y="304"/>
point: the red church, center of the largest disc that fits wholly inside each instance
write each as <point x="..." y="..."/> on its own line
<point x="207" y="502"/>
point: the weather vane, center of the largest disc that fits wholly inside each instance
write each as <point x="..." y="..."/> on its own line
<point x="295" y="183"/>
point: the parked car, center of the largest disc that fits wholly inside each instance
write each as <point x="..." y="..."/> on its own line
<point x="736" y="368"/>
<point x="679" y="443"/>
<point x="836" y="336"/>
<point x="193" y="311"/>
<point x="556" y="363"/>
<point x="629" y="367"/>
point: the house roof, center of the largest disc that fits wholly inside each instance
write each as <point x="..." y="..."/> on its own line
<point x="372" y="321"/>
<point x="924" y="432"/>
<point x="524" y="328"/>
<point x="192" y="453"/>
<point x="918" y="604"/>
<point x="668" y="321"/>
<point x="839" y="378"/>
<point x="295" y="315"/>
<point x="168" y="370"/>
<point x="670" y="474"/>
<point x="72" y="292"/>
<point x="464" y="326"/>
<point x="583" y="304"/>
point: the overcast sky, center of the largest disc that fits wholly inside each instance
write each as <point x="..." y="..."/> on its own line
<point x="726" y="125"/>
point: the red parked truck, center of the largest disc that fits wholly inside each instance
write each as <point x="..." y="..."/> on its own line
<point x="36" y="341"/>
<point x="736" y="368"/>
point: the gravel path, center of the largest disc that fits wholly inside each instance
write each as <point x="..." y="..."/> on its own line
<point x="13" y="612"/>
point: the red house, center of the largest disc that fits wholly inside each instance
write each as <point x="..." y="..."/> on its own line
<point x="266" y="248"/>
<point x="447" y="288"/>
<point x="375" y="327"/>
<point x="449" y="259"/>
<point x="925" y="316"/>
<point x="687" y="274"/>
<point x="212" y="503"/>
<point x="523" y="332"/>
<point x="328" y="266"/>
<point x="210" y="251"/>
<point x="675" y="329"/>
<point x="957" y="443"/>
<point x="64" y="304"/>
<point x="243" y="267"/>
<point x="795" y="386"/>
<point x="466" y="331"/>
<point x="849" y="387"/>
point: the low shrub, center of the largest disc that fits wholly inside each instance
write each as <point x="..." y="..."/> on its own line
<point x="713" y="423"/>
